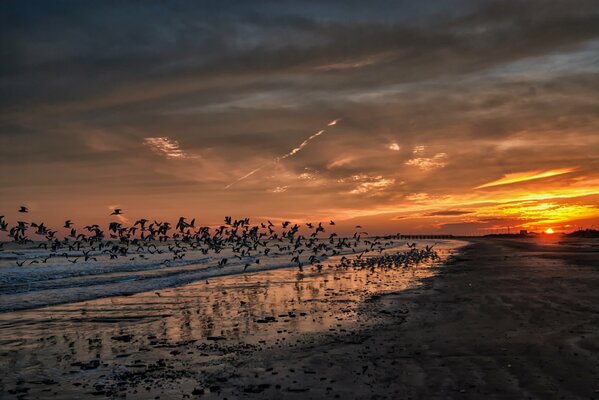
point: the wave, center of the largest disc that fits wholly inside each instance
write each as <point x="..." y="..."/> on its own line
<point x="59" y="281"/>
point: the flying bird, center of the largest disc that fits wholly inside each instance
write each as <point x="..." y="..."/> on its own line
<point x="23" y="209"/>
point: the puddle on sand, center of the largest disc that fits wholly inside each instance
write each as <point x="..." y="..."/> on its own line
<point x="167" y="342"/>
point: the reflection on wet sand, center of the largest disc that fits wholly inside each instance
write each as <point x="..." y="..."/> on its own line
<point x="166" y="342"/>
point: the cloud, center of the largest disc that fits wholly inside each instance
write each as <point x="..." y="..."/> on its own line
<point x="306" y="176"/>
<point x="353" y="64"/>
<point x="371" y="185"/>
<point x="526" y="176"/>
<point x="280" y="189"/>
<point x="417" y="196"/>
<point x="546" y="212"/>
<point x="429" y="163"/>
<point x="166" y="146"/>
<point x="497" y="86"/>
<point x="340" y="162"/>
<point x="418" y="149"/>
<point x="445" y="213"/>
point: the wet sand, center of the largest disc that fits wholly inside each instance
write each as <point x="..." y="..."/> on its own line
<point x="186" y="340"/>
<point x="504" y="319"/>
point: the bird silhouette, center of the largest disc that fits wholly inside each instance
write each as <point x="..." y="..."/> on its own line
<point x="238" y="243"/>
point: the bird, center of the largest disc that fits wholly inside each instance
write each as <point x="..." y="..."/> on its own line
<point x="238" y="239"/>
<point x="23" y="209"/>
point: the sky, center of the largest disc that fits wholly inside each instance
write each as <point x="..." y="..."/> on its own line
<point x="461" y="117"/>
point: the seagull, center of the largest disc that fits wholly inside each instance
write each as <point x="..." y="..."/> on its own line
<point x="239" y="237"/>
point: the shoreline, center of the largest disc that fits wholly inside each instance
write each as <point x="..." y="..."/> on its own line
<point x="187" y="332"/>
<point x="501" y="319"/>
<point x="493" y="324"/>
<point x="55" y="286"/>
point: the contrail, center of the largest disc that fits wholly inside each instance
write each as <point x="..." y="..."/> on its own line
<point x="301" y="146"/>
<point x="250" y="173"/>
<point x="292" y="152"/>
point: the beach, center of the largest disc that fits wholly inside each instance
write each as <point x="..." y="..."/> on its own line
<point x="105" y="334"/>
<point x="506" y="319"/>
<point x="501" y="318"/>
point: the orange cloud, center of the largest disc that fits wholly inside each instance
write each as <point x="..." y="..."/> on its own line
<point x="428" y="163"/>
<point x="165" y="146"/>
<point x="526" y="176"/>
<point x="372" y="185"/>
<point x="532" y="213"/>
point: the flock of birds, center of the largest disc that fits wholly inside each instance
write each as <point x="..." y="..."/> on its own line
<point x="247" y="242"/>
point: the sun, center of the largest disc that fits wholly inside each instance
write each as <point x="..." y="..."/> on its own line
<point x="549" y="231"/>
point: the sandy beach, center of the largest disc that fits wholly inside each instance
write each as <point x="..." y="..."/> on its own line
<point x="506" y="319"/>
<point x="501" y="319"/>
<point x="176" y="340"/>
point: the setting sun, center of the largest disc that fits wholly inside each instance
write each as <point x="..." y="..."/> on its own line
<point x="549" y="231"/>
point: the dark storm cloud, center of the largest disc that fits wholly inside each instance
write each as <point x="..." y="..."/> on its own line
<point x="66" y="50"/>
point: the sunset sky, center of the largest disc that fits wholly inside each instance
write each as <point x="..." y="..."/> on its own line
<point x="451" y="116"/>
